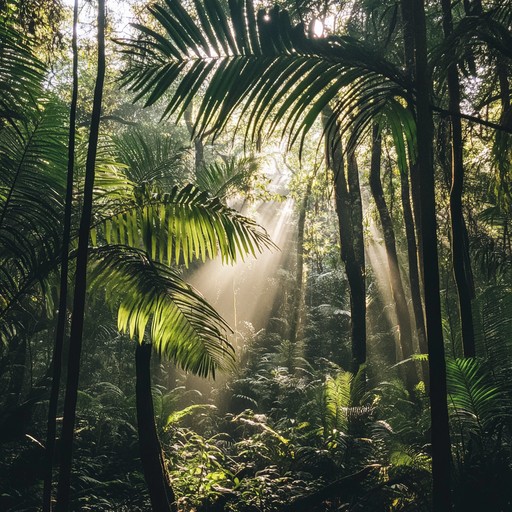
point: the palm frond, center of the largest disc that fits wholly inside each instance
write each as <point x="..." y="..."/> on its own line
<point x="152" y="298"/>
<point x="21" y="76"/>
<point x="224" y="178"/>
<point x="257" y="63"/>
<point x="32" y="164"/>
<point x="473" y="32"/>
<point x="493" y="329"/>
<point x="182" y="225"/>
<point x="150" y="156"/>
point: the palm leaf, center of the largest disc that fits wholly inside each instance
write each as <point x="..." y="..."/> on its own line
<point x="222" y="179"/>
<point x="150" y="156"/>
<point x="21" y="75"/>
<point x="182" y="225"/>
<point x="493" y="329"/>
<point x="153" y="298"/>
<point x="32" y="159"/>
<point x="257" y="63"/>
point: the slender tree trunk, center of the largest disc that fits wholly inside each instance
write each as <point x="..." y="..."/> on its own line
<point x="441" y="456"/>
<point x="63" y="295"/>
<point x="356" y="259"/>
<point x="414" y="278"/>
<point x="354" y="268"/>
<point x="299" y="270"/>
<point x="501" y="69"/>
<point x="160" y="492"/>
<point x="408" y="29"/>
<point x="77" y="322"/>
<point x="412" y="213"/>
<point x="460" y="249"/>
<point x="356" y="209"/>
<point x="395" y="280"/>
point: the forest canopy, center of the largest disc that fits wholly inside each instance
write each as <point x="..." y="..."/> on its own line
<point x="255" y="257"/>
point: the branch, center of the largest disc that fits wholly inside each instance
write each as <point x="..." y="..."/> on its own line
<point x="473" y="119"/>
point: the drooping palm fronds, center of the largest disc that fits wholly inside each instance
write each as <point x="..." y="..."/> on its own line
<point x="32" y="178"/>
<point x="182" y="325"/>
<point x="255" y="62"/>
<point x="493" y="327"/>
<point x="21" y="74"/>
<point x="182" y="225"/>
<point x="32" y="165"/>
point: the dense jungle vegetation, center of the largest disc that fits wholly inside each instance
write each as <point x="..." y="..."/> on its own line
<point x="255" y="257"/>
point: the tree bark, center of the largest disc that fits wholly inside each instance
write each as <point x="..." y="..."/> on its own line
<point x="160" y="491"/>
<point x="354" y="267"/>
<point x="460" y="250"/>
<point x="414" y="278"/>
<point x="63" y="294"/>
<point x="77" y="322"/>
<point x="408" y="29"/>
<point x="299" y="269"/>
<point x="412" y="213"/>
<point x="395" y="280"/>
<point x="441" y="456"/>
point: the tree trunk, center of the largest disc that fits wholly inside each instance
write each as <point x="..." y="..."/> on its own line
<point x="63" y="294"/>
<point x="354" y="268"/>
<point x="356" y="209"/>
<point x="77" y="322"/>
<point x="408" y="28"/>
<point x="299" y="270"/>
<point x="441" y="456"/>
<point x="414" y="278"/>
<point x="160" y="492"/>
<point x="412" y="215"/>
<point x="460" y="249"/>
<point x="397" y="289"/>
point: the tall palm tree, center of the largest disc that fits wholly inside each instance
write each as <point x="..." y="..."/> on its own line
<point x="172" y="228"/>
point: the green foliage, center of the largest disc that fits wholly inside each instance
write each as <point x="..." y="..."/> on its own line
<point x="32" y="157"/>
<point x="182" y="225"/>
<point x="184" y="326"/>
<point x="290" y="421"/>
<point x="476" y="401"/>
<point x="21" y="74"/>
<point x="150" y="156"/>
<point x="258" y="63"/>
<point x="222" y="179"/>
